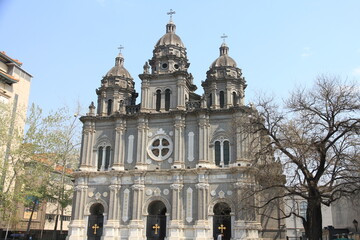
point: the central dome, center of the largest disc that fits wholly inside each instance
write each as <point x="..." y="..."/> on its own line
<point x="170" y="38"/>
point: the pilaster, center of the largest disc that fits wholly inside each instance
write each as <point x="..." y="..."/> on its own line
<point x="119" y="154"/>
<point x="179" y="125"/>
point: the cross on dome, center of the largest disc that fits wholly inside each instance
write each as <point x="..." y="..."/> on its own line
<point x="224" y="36"/>
<point x="120" y="48"/>
<point x="171" y="13"/>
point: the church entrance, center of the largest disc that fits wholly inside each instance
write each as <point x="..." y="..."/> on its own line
<point x="156" y="221"/>
<point x="222" y="221"/>
<point x="96" y="220"/>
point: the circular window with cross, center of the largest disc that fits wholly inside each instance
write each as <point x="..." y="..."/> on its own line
<point x="160" y="148"/>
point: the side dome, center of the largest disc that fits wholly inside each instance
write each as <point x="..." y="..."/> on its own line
<point x="224" y="60"/>
<point x="118" y="70"/>
<point x="170" y="38"/>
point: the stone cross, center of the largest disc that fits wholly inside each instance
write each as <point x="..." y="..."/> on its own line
<point x="120" y="48"/>
<point x="224" y="37"/>
<point x="171" y="13"/>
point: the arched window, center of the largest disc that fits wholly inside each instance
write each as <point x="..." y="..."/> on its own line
<point x="217" y="153"/>
<point x="100" y="153"/>
<point x="103" y="158"/>
<point x="222" y="153"/>
<point x="107" y="157"/>
<point x="167" y="99"/>
<point x="210" y="100"/>
<point x="226" y="153"/>
<point x="234" y="99"/>
<point x="222" y="99"/>
<point x="109" y="107"/>
<point x="158" y="100"/>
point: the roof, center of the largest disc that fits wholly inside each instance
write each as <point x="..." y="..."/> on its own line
<point x="8" y="59"/>
<point x="8" y="78"/>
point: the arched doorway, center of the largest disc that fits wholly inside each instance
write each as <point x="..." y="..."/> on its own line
<point x="222" y="221"/>
<point x="96" y="222"/>
<point x="156" y="221"/>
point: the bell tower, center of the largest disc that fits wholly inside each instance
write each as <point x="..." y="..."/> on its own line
<point x="117" y="89"/>
<point x="166" y="83"/>
<point x="224" y="86"/>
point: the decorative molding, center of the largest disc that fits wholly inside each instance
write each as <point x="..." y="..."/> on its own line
<point x="189" y="205"/>
<point x="190" y="146"/>
<point x="125" y="210"/>
<point x="130" y="149"/>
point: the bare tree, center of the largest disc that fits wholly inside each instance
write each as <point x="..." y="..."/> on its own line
<point x="316" y="137"/>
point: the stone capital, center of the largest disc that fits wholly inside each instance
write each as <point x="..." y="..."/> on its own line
<point x="202" y="186"/>
<point x="176" y="186"/>
<point x="138" y="187"/>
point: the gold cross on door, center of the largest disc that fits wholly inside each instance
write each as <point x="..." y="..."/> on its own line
<point x="95" y="227"/>
<point x="156" y="227"/>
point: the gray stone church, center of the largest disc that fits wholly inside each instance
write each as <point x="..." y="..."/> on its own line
<point x="172" y="166"/>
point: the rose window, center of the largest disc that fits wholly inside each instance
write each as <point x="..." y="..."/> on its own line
<point x="160" y="148"/>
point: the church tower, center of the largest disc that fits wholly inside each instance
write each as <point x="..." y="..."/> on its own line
<point x="224" y="85"/>
<point x="117" y="89"/>
<point x="168" y="84"/>
<point x="173" y="166"/>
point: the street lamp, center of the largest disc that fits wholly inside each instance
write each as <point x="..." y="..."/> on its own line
<point x="355" y="225"/>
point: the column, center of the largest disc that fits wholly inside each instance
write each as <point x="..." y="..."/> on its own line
<point x="176" y="201"/>
<point x="137" y="226"/>
<point x="203" y="123"/>
<point x="202" y="226"/>
<point x="176" y="228"/>
<point x="229" y="102"/>
<point x="141" y="142"/>
<point x="81" y="193"/>
<point x="87" y="145"/>
<point x="179" y="145"/>
<point x="77" y="226"/>
<point x="114" y="202"/>
<point x="203" y="198"/>
<point x="119" y="145"/>
<point x="181" y="94"/>
<point x="215" y="102"/>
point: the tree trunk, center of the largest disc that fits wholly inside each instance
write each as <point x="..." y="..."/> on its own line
<point x="313" y="223"/>
<point x="30" y="219"/>
<point x="55" y="227"/>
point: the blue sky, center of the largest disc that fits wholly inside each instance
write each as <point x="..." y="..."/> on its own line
<point x="69" y="45"/>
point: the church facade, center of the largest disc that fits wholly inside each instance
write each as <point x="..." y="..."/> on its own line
<point x="172" y="166"/>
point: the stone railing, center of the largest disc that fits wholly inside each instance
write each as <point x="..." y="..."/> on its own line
<point x="192" y="105"/>
<point x="132" y="109"/>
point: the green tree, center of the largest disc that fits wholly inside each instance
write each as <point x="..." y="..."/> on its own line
<point x="48" y="148"/>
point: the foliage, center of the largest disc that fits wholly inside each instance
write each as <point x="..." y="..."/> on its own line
<point x="48" y="149"/>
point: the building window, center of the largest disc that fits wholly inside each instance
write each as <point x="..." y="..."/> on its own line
<point x="160" y="147"/>
<point x="222" y="153"/>
<point x="103" y="158"/>
<point x="167" y="99"/>
<point x="217" y="153"/>
<point x="65" y="218"/>
<point x="302" y="209"/>
<point x="158" y="100"/>
<point x="100" y="154"/>
<point x="222" y="99"/>
<point x="234" y="99"/>
<point x="210" y="100"/>
<point x="109" y="107"/>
